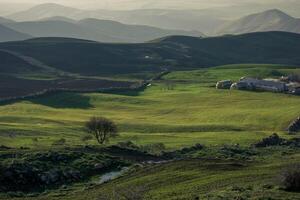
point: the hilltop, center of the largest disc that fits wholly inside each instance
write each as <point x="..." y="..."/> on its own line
<point x="270" y="20"/>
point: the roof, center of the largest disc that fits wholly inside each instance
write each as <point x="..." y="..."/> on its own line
<point x="263" y="82"/>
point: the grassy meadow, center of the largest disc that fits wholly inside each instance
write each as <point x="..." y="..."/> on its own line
<point x="180" y="110"/>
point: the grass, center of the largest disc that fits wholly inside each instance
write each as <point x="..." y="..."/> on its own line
<point x="188" y="179"/>
<point x="193" y="111"/>
<point x="182" y="109"/>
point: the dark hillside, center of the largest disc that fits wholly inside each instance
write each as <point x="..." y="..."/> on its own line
<point x="12" y="64"/>
<point x="177" y="52"/>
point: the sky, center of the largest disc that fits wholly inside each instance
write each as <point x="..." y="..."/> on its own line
<point x="17" y="5"/>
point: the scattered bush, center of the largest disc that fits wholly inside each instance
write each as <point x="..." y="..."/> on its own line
<point x="86" y="138"/>
<point x="273" y="140"/>
<point x="290" y="178"/>
<point x="156" y="148"/>
<point x="237" y="151"/>
<point x="2" y="147"/>
<point x="61" y="141"/>
<point x="127" y="145"/>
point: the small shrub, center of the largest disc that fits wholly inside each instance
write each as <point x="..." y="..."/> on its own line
<point x="86" y="138"/>
<point x="155" y="148"/>
<point x="127" y="145"/>
<point x="273" y="140"/>
<point x="290" y="178"/>
<point x="61" y="141"/>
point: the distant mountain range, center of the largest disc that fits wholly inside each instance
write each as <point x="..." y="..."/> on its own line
<point x="271" y="20"/>
<point x="166" y="19"/>
<point x="94" y="29"/>
<point x="208" y="22"/>
<point x="175" y="53"/>
<point x="53" y="20"/>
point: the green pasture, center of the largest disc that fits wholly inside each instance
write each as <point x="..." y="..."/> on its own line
<point x="182" y="109"/>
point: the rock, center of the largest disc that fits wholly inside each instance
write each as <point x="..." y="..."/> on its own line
<point x="98" y="166"/>
<point x="294" y="126"/>
<point x="225" y="84"/>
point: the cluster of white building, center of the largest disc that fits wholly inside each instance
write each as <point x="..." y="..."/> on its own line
<point x="271" y="85"/>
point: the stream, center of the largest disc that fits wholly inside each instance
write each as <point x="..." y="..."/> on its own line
<point x="116" y="174"/>
<point x="112" y="175"/>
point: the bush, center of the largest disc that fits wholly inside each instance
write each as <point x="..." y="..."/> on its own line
<point x="127" y="145"/>
<point x="86" y="138"/>
<point x="290" y="178"/>
<point x="61" y="141"/>
<point x="155" y="148"/>
<point x="273" y="140"/>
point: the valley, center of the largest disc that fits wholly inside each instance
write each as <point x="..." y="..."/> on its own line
<point x="149" y="100"/>
<point x="217" y="119"/>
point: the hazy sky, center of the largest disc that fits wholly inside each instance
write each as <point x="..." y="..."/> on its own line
<point x="117" y="4"/>
<point x="12" y="5"/>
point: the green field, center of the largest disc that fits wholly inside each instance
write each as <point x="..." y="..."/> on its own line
<point x="180" y="110"/>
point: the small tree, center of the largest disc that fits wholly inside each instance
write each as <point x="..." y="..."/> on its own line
<point x="102" y="129"/>
<point x="290" y="178"/>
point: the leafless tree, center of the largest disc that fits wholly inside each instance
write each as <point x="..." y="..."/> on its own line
<point x="103" y="129"/>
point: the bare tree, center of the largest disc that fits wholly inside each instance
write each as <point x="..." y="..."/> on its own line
<point x="103" y="129"/>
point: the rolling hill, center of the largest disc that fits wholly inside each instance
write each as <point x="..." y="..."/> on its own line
<point x="8" y="34"/>
<point x="94" y="29"/>
<point x="270" y="20"/>
<point x="175" y="53"/>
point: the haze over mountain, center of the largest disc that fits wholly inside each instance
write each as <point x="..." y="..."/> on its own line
<point x="270" y="20"/>
<point x="5" y="20"/>
<point x="166" y="19"/>
<point x="7" y="34"/>
<point x="221" y="8"/>
<point x="94" y="29"/>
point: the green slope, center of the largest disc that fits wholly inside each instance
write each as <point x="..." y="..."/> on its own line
<point x="192" y="111"/>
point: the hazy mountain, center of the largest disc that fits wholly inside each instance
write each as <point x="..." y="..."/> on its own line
<point x="5" y="20"/>
<point x="97" y="30"/>
<point x="175" y="52"/>
<point x="59" y="18"/>
<point x="166" y="19"/>
<point x="131" y="33"/>
<point x="7" y="34"/>
<point x="45" y="11"/>
<point x="270" y="20"/>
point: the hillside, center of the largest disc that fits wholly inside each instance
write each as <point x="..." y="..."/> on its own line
<point x="207" y="145"/>
<point x="174" y="53"/>
<point x="270" y="20"/>
<point x="93" y="29"/>
<point x="8" y="34"/>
